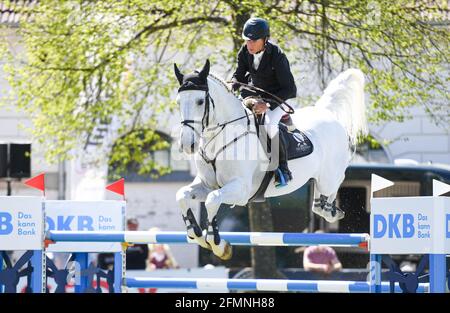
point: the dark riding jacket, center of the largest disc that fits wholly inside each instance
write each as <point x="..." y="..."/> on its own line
<point x="273" y="74"/>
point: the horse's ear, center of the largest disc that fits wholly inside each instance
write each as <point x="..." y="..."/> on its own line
<point x="205" y="70"/>
<point x="178" y="73"/>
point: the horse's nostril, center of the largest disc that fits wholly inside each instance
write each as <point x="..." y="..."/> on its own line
<point x="192" y="147"/>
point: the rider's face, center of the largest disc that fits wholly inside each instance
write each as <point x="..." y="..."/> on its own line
<point x="255" y="46"/>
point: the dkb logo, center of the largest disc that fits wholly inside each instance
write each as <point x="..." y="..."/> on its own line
<point x="6" y="226"/>
<point x="70" y="222"/>
<point x="381" y="225"/>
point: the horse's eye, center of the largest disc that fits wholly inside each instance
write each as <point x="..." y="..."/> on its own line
<point x="200" y="102"/>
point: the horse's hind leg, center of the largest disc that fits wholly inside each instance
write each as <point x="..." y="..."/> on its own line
<point x="319" y="201"/>
<point x="188" y="197"/>
<point x="331" y="213"/>
<point x="325" y="204"/>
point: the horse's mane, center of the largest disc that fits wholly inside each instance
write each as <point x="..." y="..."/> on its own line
<point x="219" y="80"/>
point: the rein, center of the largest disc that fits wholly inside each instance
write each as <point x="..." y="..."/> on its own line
<point x="280" y="101"/>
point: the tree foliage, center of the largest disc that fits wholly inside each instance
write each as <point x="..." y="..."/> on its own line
<point x="85" y="62"/>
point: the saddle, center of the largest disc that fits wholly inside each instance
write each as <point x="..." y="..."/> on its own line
<point x="298" y="146"/>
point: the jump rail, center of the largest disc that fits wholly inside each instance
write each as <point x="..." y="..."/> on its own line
<point x="234" y="238"/>
<point x="261" y="284"/>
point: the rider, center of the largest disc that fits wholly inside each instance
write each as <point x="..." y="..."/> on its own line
<point x="263" y="64"/>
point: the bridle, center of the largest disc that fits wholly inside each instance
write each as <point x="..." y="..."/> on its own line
<point x="188" y="85"/>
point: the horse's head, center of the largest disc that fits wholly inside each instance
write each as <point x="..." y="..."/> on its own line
<point x="193" y="99"/>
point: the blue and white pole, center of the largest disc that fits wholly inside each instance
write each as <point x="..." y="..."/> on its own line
<point x="223" y="284"/>
<point x="234" y="238"/>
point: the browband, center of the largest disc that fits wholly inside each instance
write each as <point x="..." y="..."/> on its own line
<point x="188" y="85"/>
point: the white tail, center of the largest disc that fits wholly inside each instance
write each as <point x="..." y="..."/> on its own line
<point x="344" y="96"/>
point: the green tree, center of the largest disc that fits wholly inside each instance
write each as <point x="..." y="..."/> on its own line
<point x="86" y="61"/>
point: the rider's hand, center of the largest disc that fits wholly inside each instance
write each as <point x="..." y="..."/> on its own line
<point x="260" y="107"/>
<point x="234" y="86"/>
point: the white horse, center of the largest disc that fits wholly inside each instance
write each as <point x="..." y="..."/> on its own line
<point x="221" y="133"/>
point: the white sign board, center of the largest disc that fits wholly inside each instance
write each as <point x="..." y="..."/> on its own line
<point x="21" y="223"/>
<point x="410" y="225"/>
<point x="105" y="215"/>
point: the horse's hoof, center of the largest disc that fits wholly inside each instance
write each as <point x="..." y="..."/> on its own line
<point x="223" y="250"/>
<point x="332" y="216"/>
<point x="200" y="240"/>
<point x="227" y="252"/>
<point x="203" y="243"/>
<point x="318" y="210"/>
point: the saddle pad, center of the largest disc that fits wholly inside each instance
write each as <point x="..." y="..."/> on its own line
<point x="298" y="144"/>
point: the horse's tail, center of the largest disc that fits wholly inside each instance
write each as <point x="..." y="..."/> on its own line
<point x="344" y="96"/>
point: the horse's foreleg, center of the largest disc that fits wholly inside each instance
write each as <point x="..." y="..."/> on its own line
<point x="188" y="197"/>
<point x="234" y="193"/>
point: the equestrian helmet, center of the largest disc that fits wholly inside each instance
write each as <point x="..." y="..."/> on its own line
<point x="256" y="28"/>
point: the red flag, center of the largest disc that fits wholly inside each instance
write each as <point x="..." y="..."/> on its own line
<point x="37" y="182"/>
<point x="118" y="187"/>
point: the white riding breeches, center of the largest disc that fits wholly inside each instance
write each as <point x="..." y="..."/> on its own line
<point x="272" y="118"/>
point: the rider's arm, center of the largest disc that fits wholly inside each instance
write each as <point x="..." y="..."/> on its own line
<point x="285" y="78"/>
<point x="242" y="67"/>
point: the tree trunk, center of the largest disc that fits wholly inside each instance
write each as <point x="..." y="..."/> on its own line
<point x="263" y="258"/>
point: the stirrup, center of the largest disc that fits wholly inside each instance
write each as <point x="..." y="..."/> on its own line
<point x="282" y="179"/>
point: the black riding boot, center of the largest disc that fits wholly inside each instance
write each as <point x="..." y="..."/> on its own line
<point x="283" y="175"/>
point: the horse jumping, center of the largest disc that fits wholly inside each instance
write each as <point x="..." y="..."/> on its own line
<point x="222" y="134"/>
